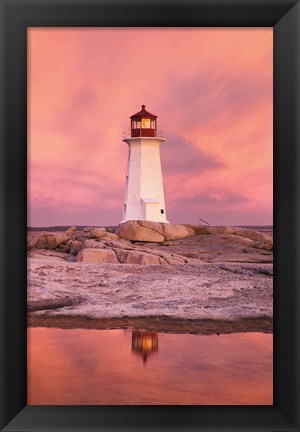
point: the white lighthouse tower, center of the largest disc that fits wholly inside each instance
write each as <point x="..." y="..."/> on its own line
<point x="144" y="194"/>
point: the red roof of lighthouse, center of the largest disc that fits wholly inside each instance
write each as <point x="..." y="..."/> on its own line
<point x="143" y="113"/>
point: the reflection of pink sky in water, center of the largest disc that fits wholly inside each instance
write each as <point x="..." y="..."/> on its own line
<point x="98" y="367"/>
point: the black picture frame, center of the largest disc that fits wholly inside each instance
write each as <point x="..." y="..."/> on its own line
<point x="16" y="16"/>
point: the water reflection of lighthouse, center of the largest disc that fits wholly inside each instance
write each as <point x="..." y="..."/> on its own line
<point x="144" y="343"/>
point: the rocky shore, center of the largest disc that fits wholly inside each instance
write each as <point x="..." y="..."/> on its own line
<point x="165" y="277"/>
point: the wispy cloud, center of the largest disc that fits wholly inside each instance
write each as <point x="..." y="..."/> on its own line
<point x="212" y="92"/>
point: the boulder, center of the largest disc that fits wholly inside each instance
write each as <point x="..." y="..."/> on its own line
<point x="121" y="254"/>
<point x="134" y="257"/>
<point x="75" y="247"/>
<point x="155" y="226"/>
<point x="101" y="233"/>
<point x="65" y="247"/>
<point x="61" y="237"/>
<point x="251" y="234"/>
<point x="110" y="236"/>
<point x="199" y="229"/>
<point x="121" y="244"/>
<point x="32" y="239"/>
<point x="241" y="232"/>
<point x="268" y="245"/>
<point x="87" y="229"/>
<point x="218" y="230"/>
<point x="111" y="229"/>
<point x="81" y="235"/>
<point x="173" y="232"/>
<point x="154" y="232"/>
<point x="135" y="231"/>
<point x="46" y="241"/>
<point x="71" y="230"/>
<point x="93" y="244"/>
<point x="101" y="256"/>
<point x="95" y="232"/>
<point x="51" y="240"/>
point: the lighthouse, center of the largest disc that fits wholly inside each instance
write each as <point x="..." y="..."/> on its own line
<point x="144" y="194"/>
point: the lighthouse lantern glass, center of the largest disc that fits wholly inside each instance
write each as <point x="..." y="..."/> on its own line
<point x="145" y="123"/>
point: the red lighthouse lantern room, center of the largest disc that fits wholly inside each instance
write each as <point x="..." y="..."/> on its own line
<point x="143" y="124"/>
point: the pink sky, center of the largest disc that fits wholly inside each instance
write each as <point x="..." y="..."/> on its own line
<point x="211" y="89"/>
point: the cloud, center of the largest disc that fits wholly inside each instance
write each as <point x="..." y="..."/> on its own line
<point x="211" y="90"/>
<point x="77" y="111"/>
<point x="214" y="100"/>
<point x="204" y="203"/>
<point x="179" y="156"/>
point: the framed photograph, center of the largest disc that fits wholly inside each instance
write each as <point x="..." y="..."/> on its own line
<point x="156" y="314"/>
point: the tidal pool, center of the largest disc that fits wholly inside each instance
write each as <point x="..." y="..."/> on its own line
<point x="127" y="367"/>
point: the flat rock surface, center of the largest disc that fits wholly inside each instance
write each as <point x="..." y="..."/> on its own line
<point x="219" y="291"/>
<point x="215" y="248"/>
<point x="201" y="283"/>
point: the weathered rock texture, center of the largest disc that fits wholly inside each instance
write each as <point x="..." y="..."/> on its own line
<point x="101" y="233"/>
<point x="262" y="238"/>
<point x="134" y="231"/>
<point x="206" y="291"/>
<point x="157" y="243"/>
<point x="97" y="256"/>
<point x="213" y="273"/>
<point x="146" y="231"/>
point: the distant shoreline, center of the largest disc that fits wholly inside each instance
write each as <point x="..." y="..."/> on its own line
<point x="262" y="228"/>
